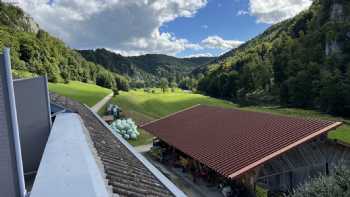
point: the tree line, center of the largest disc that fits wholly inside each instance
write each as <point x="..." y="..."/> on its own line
<point x="146" y="70"/>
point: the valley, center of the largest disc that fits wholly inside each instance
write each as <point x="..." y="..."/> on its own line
<point x="277" y="103"/>
<point x="144" y="107"/>
<point x="146" y="70"/>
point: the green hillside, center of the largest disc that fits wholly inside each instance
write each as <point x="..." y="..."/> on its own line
<point x="159" y="104"/>
<point x="149" y="68"/>
<point x="302" y="62"/>
<point x="88" y="94"/>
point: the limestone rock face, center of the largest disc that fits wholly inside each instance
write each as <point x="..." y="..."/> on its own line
<point x="29" y="24"/>
<point x="17" y="20"/>
<point x="337" y="14"/>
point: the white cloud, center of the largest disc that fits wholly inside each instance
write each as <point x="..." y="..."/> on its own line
<point x="205" y="26"/>
<point x="273" y="11"/>
<point x="130" y="26"/>
<point x="242" y="12"/>
<point x="218" y="42"/>
<point x="200" y="55"/>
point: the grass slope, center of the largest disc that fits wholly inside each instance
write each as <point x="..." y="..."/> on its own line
<point x="157" y="105"/>
<point x="85" y="93"/>
<point x="143" y="107"/>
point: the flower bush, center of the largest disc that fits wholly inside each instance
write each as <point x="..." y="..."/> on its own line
<point x="126" y="128"/>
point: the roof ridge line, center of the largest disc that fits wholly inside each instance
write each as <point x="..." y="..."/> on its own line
<point x="169" y="115"/>
<point x="285" y="149"/>
<point x="169" y="185"/>
<point x="95" y="154"/>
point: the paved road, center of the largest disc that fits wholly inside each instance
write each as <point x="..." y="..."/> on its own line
<point x="184" y="181"/>
<point x="101" y="103"/>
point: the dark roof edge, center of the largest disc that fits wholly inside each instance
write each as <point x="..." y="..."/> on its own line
<point x="285" y="149"/>
<point x="163" y="179"/>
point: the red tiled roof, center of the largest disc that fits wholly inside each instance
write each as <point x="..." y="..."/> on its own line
<point x="231" y="141"/>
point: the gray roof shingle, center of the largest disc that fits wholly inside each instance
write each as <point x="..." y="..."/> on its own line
<point x="126" y="174"/>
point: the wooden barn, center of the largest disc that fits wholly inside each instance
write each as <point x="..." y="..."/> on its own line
<point x="275" y="152"/>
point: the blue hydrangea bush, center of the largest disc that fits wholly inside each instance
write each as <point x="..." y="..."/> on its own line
<point x="126" y="128"/>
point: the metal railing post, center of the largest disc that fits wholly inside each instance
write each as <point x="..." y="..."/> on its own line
<point x="17" y="143"/>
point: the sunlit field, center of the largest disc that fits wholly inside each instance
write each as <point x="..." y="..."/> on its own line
<point x="85" y="93"/>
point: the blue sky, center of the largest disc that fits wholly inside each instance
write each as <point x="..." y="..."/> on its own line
<point x="174" y="27"/>
<point x="218" y="17"/>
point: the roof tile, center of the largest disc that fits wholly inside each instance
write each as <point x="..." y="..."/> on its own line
<point x="232" y="141"/>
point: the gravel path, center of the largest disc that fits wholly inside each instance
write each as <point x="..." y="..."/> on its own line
<point x="101" y="103"/>
<point x="144" y="148"/>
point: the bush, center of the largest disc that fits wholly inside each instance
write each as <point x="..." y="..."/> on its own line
<point x="115" y="91"/>
<point x="336" y="185"/>
<point x="126" y="128"/>
<point x="66" y="81"/>
<point x="22" y="74"/>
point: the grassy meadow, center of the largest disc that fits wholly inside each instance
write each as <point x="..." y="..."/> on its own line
<point x="144" y="106"/>
<point x="88" y="94"/>
<point x="156" y="105"/>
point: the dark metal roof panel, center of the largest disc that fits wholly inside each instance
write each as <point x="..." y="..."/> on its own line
<point x="231" y="141"/>
<point x="33" y="114"/>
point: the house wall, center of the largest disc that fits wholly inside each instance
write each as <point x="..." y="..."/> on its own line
<point x="319" y="156"/>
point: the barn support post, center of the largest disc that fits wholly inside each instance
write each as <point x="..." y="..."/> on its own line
<point x="249" y="180"/>
<point x="256" y="175"/>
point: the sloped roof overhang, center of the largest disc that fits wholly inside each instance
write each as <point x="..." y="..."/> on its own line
<point x="231" y="141"/>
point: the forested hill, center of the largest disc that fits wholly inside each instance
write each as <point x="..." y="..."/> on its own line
<point x="34" y="51"/>
<point x="148" y="68"/>
<point x="302" y="62"/>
